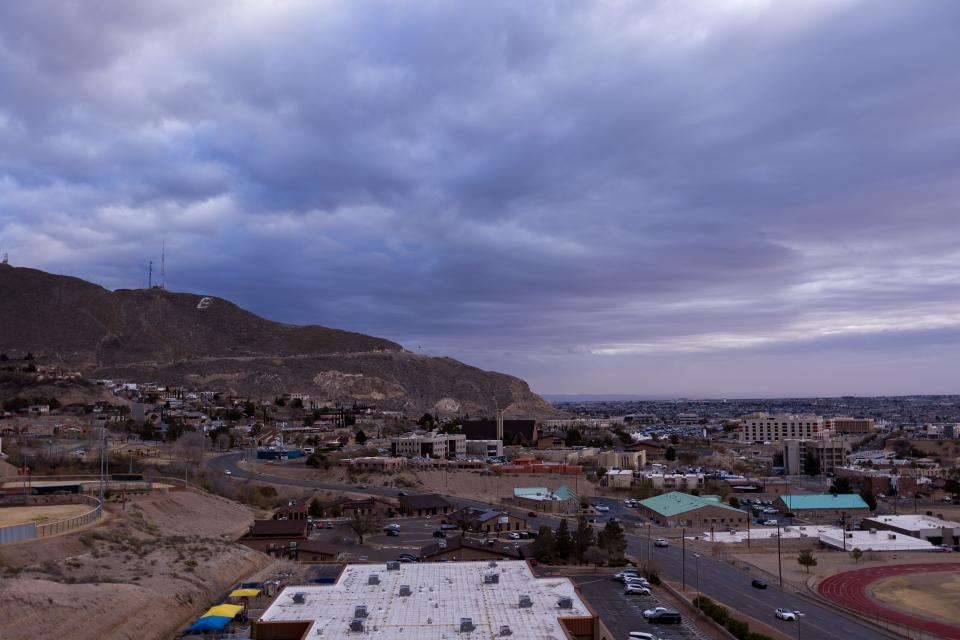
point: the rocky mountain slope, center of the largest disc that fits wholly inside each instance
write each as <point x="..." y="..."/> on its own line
<point x="210" y="343"/>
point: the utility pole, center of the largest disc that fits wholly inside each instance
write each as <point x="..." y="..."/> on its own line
<point x="843" y="529"/>
<point x="779" y="557"/>
<point x="696" y="558"/>
<point x="683" y="557"/>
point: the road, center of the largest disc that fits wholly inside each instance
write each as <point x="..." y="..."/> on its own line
<point x="717" y="579"/>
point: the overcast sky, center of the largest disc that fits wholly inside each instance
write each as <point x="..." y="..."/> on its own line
<point x="715" y="198"/>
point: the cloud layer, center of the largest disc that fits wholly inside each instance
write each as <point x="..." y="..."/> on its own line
<point x="734" y="197"/>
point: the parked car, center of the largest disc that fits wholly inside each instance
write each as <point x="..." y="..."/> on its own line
<point x="636" y="590"/>
<point x="785" y="614"/>
<point x="623" y="574"/>
<point x="654" y="611"/>
<point x="661" y="542"/>
<point x="531" y="514"/>
<point x="448" y="526"/>
<point x="401" y="493"/>
<point x="665" y="617"/>
<point x="393" y="533"/>
<point x="228" y="472"/>
<point x="641" y="635"/>
<point x="640" y="581"/>
<point x="759" y="584"/>
<point x="392" y="525"/>
<point x="770" y="523"/>
<point x="514" y="535"/>
<point x="601" y="508"/>
<point x="439" y="534"/>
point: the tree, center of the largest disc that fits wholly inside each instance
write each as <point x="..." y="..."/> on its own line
<point x="364" y="524"/>
<point x="426" y="421"/>
<point x="545" y="546"/>
<point x="564" y="544"/>
<point x="811" y="465"/>
<point x="778" y="459"/>
<point x="670" y="454"/>
<point x="674" y="438"/>
<point x="733" y="502"/>
<point x="315" y="509"/>
<point x="361" y="437"/>
<point x="952" y="485"/>
<point x="625" y="437"/>
<point x="190" y="446"/>
<point x="856" y="554"/>
<point x="574" y="438"/>
<point x="595" y="556"/>
<point x="583" y="538"/>
<point x="613" y="540"/>
<point x="806" y="559"/>
<point x="840" y="485"/>
<point x="249" y="409"/>
<point x="869" y="498"/>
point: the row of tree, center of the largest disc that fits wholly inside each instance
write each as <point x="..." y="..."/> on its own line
<point x="582" y="545"/>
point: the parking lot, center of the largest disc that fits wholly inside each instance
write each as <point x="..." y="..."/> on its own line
<point x="622" y="613"/>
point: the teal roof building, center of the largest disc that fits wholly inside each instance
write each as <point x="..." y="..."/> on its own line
<point x="683" y="509"/>
<point x="824" y="502"/>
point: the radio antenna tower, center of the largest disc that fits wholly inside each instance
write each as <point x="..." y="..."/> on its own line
<point x="163" y="265"/>
<point x="150" y="276"/>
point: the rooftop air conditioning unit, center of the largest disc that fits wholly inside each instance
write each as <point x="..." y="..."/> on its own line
<point x="374" y="579"/>
<point x="491" y="578"/>
<point x="360" y="611"/>
<point x="505" y="630"/>
<point x="299" y="598"/>
<point x="356" y="626"/>
<point x="891" y="536"/>
<point x="405" y="590"/>
<point x="466" y="625"/>
<point x="525" y="602"/>
<point x="873" y="532"/>
<point x="565" y="603"/>
<point x="393" y="565"/>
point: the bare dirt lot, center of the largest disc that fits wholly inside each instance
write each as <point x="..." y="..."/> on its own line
<point x="41" y="514"/>
<point x="143" y="573"/>
<point x="931" y="595"/>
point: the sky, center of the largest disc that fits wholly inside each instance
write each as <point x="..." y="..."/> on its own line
<point x="723" y="198"/>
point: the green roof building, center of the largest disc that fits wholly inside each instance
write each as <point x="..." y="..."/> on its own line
<point x="676" y="509"/>
<point x="560" y="500"/>
<point x="823" y="507"/>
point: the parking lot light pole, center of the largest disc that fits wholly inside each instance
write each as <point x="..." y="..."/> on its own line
<point x="683" y="557"/>
<point x="779" y="557"/>
<point x="799" y="615"/>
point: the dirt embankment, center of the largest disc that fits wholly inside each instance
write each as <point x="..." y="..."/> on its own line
<point x="141" y="575"/>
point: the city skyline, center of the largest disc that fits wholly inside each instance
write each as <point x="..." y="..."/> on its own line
<point x="726" y="199"/>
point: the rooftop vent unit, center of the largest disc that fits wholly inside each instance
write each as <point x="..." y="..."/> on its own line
<point x="565" y="603"/>
<point x="466" y="625"/>
<point x="405" y="590"/>
<point x="505" y="630"/>
<point x="374" y="579"/>
<point x="299" y="598"/>
<point x="360" y="611"/>
<point x="393" y="565"/>
<point x="492" y="565"/>
<point x="525" y="602"/>
<point x="356" y="625"/>
<point x="491" y="578"/>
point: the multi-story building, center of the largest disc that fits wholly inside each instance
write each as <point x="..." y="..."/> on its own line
<point x="674" y="481"/>
<point x="763" y="427"/>
<point x="830" y="452"/>
<point x="429" y="445"/>
<point x="633" y="460"/>
<point x="485" y="448"/>
<point x="853" y="426"/>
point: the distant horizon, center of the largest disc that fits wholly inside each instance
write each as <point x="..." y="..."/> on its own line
<point x="600" y="397"/>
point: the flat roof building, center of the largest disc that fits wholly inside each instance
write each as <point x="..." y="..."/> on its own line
<point x="826" y="506"/>
<point x="763" y="427"/>
<point x="927" y="528"/>
<point x="431" y="601"/>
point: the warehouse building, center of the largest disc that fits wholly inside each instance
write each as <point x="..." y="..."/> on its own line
<point x="677" y="509"/>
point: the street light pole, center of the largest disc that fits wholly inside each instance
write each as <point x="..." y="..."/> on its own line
<point x="696" y="558"/>
<point x="799" y="615"/>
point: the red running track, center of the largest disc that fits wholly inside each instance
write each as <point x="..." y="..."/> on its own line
<point x="851" y="589"/>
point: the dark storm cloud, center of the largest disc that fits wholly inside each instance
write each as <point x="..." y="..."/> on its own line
<point x="568" y="191"/>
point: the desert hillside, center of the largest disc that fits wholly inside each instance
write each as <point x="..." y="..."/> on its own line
<point x="210" y="343"/>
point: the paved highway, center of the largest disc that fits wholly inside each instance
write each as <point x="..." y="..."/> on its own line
<point x="717" y="579"/>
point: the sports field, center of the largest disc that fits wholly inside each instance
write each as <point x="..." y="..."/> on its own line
<point x="920" y="596"/>
<point x="41" y="514"/>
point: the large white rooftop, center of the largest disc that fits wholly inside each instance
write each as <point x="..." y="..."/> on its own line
<point x="879" y="541"/>
<point x="441" y="595"/>
<point x="914" y="522"/>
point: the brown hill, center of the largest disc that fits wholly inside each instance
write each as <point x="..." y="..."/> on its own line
<point x="210" y="343"/>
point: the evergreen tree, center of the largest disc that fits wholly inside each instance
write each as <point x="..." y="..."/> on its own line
<point x="361" y="437"/>
<point x="869" y="498"/>
<point x="806" y="559"/>
<point x="564" y="545"/>
<point x="670" y="454"/>
<point x="583" y="538"/>
<point x="613" y="540"/>
<point x="811" y="465"/>
<point x="545" y="546"/>
<point x="315" y="509"/>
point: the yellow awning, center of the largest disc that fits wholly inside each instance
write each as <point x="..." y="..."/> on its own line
<point x="223" y="610"/>
<point x="244" y="593"/>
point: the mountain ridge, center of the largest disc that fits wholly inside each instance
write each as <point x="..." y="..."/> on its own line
<point x="209" y="342"/>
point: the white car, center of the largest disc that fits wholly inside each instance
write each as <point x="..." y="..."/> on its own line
<point x="640" y="582"/>
<point x="641" y="635"/>
<point x="654" y="611"/>
<point x="636" y="590"/>
<point x="661" y="542"/>
<point x="770" y="523"/>
<point x="513" y="535"/>
<point x="625" y="574"/>
<point x="601" y="508"/>
<point x="228" y="472"/>
<point x="786" y="614"/>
